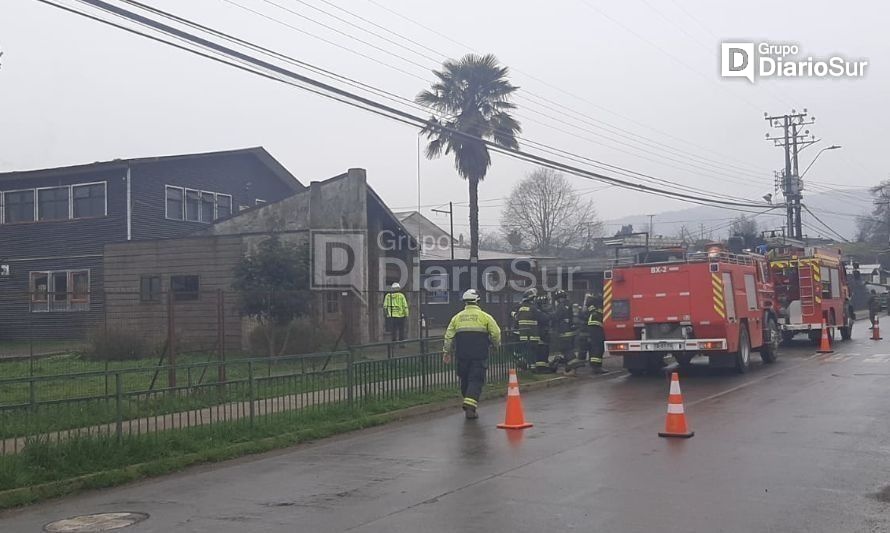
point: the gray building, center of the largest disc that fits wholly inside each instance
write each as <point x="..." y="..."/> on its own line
<point x="343" y="209"/>
<point x="54" y="224"/>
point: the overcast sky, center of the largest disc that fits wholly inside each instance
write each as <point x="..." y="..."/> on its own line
<point x="641" y="78"/>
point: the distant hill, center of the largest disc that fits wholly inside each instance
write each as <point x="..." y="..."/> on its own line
<point x="836" y="209"/>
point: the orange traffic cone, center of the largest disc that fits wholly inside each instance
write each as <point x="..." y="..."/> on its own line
<point x="515" y="418"/>
<point x="825" y="345"/>
<point x="876" y="331"/>
<point x="675" y="424"/>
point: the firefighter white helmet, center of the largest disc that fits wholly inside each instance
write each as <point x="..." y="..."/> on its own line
<point x="396" y="286"/>
<point x="471" y="296"/>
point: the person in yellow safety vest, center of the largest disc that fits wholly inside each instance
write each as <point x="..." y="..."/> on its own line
<point x="565" y="332"/>
<point x="592" y="340"/>
<point x="469" y="337"/>
<point x="396" y="308"/>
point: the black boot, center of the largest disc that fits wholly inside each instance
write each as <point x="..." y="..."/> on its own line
<point x="470" y="412"/>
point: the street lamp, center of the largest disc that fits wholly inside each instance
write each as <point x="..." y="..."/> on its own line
<point x="832" y="147"/>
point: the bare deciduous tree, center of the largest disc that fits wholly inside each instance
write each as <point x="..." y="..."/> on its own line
<point x="547" y="215"/>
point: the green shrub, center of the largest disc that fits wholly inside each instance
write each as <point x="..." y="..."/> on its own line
<point x="115" y="345"/>
<point x="305" y="337"/>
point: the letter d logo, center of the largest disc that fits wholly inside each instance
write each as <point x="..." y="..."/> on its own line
<point x="737" y="60"/>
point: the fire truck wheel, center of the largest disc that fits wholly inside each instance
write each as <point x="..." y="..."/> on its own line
<point x="771" y="336"/>
<point x="743" y="356"/>
<point x="847" y="329"/>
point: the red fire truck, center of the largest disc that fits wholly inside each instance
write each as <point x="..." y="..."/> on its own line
<point x="811" y="286"/>
<point x="712" y="303"/>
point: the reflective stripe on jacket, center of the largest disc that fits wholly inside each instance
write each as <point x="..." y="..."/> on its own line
<point x="471" y="333"/>
<point x="395" y="304"/>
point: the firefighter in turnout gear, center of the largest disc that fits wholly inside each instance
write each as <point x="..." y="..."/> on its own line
<point x="545" y="321"/>
<point x="527" y="321"/>
<point x="592" y="339"/>
<point x="564" y="333"/>
<point x="469" y="337"/>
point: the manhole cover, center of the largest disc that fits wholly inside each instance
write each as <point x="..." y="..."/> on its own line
<point x="95" y="522"/>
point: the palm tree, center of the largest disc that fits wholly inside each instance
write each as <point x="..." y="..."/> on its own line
<point x="472" y="101"/>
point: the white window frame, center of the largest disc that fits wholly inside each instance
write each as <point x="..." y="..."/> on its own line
<point x="182" y="208"/>
<point x="201" y="193"/>
<point x="104" y="185"/>
<point x="69" y="307"/>
<point x="34" y="216"/>
<point x="37" y="203"/>
<point x="216" y="205"/>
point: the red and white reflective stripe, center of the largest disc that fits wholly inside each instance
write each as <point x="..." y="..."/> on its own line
<point x="513" y="380"/>
<point x="660" y="294"/>
<point x="675" y="387"/>
<point x="512" y="391"/>
<point x="675" y="409"/>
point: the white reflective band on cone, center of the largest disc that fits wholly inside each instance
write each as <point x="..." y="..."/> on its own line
<point x="512" y="391"/>
<point x="513" y="378"/>
<point x="675" y="409"/>
<point x="675" y="387"/>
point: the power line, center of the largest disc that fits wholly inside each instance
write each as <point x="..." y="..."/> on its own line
<point x="391" y="96"/>
<point x="824" y="224"/>
<point x="588" y="120"/>
<point x="360" y="102"/>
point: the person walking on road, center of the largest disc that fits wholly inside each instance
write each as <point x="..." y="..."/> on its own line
<point x="395" y="305"/>
<point x="469" y="337"/>
<point x="874" y="308"/>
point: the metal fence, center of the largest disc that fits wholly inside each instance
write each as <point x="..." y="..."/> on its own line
<point x="132" y="402"/>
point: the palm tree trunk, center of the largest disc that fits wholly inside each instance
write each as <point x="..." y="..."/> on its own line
<point x="474" y="220"/>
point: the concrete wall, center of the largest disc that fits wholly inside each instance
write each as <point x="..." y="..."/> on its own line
<point x="212" y="259"/>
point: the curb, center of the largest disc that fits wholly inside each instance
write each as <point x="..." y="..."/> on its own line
<point x="22" y="496"/>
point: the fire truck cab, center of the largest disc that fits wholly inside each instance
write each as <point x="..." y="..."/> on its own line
<point x="811" y="286"/>
<point x="712" y="303"/>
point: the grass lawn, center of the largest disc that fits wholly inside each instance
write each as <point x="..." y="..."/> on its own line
<point x="46" y="470"/>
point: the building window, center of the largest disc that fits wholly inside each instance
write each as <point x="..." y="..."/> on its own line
<point x="89" y="200"/>
<point x="192" y="205"/>
<point x="53" y="204"/>
<point x="174" y="203"/>
<point x="150" y="289"/>
<point x="223" y="206"/>
<point x="184" y="288"/>
<point x="331" y="303"/>
<point x="436" y="289"/>
<point x="19" y="206"/>
<point x="60" y="290"/>
<point x="208" y="207"/>
<point x="197" y="206"/>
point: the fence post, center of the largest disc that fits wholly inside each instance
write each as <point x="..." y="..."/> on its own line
<point x="252" y="391"/>
<point x="221" y="313"/>
<point x="32" y="393"/>
<point x="171" y="341"/>
<point x="118" y="406"/>
<point x="424" y="366"/>
<point x="350" y="377"/>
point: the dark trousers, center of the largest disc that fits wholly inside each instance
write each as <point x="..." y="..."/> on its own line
<point x="597" y="345"/>
<point x="397" y="328"/>
<point x="471" y="374"/>
<point x="542" y="353"/>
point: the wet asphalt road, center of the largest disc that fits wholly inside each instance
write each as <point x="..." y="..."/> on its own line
<point x="802" y="445"/>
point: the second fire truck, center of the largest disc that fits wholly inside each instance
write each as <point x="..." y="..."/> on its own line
<point x="811" y="287"/>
